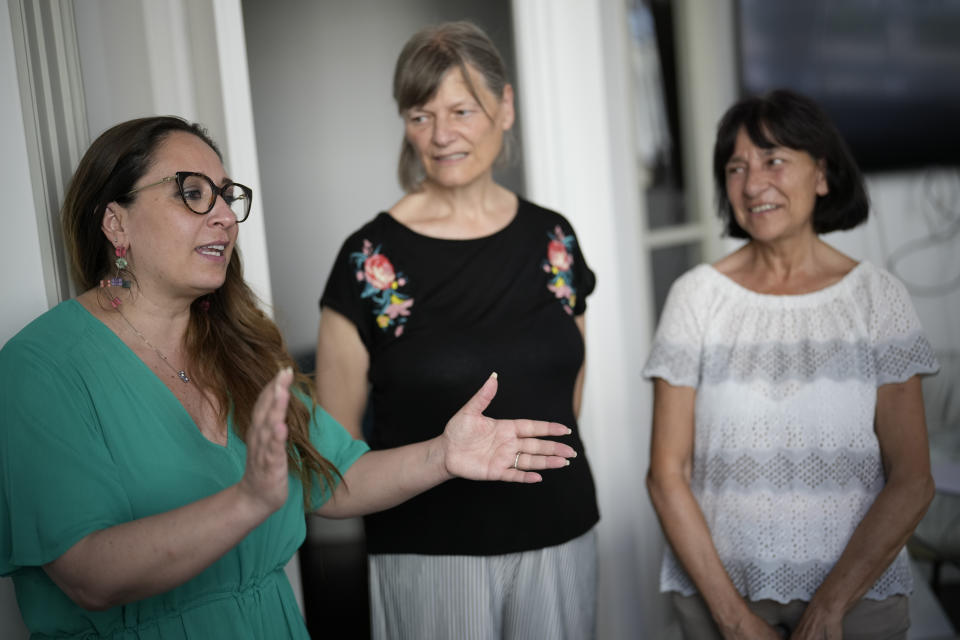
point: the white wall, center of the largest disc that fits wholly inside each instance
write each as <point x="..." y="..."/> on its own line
<point x="22" y="293"/>
<point x="706" y="87"/>
<point x="183" y="58"/>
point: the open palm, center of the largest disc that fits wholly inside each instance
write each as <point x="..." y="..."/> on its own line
<point x="481" y="448"/>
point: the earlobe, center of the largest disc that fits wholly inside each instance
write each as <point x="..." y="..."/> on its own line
<point x="506" y="107"/>
<point x="112" y="224"/>
<point x="823" y="187"/>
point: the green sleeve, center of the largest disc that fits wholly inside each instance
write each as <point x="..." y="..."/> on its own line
<point x="59" y="481"/>
<point x="336" y="445"/>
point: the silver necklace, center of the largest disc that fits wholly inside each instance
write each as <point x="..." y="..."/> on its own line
<point x="180" y="372"/>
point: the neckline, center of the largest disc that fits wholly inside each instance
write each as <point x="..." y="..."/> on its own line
<point x="100" y="325"/>
<point x="502" y="230"/>
<point x="825" y="291"/>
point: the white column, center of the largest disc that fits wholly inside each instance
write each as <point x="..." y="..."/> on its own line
<point x="22" y="291"/>
<point x="707" y="87"/>
<point x="577" y="145"/>
<point x="241" y="145"/>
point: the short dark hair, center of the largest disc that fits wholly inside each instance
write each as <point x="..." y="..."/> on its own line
<point x="425" y="59"/>
<point x="788" y="119"/>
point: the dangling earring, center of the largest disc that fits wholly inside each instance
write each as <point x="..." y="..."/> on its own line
<point x="121" y="262"/>
<point x="118" y="281"/>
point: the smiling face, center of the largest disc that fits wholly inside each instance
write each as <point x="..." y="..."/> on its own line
<point x="457" y="137"/>
<point x="773" y="191"/>
<point x="173" y="251"/>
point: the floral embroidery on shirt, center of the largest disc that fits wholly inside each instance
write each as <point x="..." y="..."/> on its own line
<point x="382" y="285"/>
<point x="559" y="264"/>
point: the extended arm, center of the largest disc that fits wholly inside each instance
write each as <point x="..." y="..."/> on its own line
<point x="668" y="481"/>
<point x="148" y="556"/>
<point x="902" y="433"/>
<point x="471" y="446"/>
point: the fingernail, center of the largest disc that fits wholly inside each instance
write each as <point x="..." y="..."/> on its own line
<point x="569" y="430"/>
<point x="566" y="463"/>
<point x="494" y="375"/>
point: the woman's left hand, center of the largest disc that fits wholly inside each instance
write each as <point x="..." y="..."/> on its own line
<point x="817" y="623"/>
<point x="481" y="448"/>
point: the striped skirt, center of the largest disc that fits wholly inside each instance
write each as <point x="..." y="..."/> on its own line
<point x="544" y="593"/>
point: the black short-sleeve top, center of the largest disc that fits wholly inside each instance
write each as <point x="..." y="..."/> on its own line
<point x="437" y="316"/>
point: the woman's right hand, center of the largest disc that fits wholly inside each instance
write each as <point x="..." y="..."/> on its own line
<point x="265" y="478"/>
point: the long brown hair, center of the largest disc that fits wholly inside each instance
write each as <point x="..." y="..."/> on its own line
<point x="235" y="348"/>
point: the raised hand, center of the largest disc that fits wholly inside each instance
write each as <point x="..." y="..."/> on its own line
<point x="265" y="477"/>
<point x="481" y="448"/>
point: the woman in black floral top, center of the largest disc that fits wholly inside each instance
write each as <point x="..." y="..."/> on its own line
<point x="459" y="278"/>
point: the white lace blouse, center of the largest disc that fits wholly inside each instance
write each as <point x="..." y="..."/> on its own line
<point x="786" y="461"/>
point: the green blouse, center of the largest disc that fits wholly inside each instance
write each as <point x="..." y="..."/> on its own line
<point x="91" y="438"/>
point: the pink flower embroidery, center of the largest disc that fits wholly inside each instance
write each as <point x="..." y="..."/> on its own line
<point x="382" y="284"/>
<point x="398" y="307"/>
<point x="557" y="254"/>
<point x="559" y="265"/>
<point x="378" y="271"/>
<point x="562" y="290"/>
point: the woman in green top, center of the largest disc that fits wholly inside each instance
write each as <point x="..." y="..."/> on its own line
<point x="154" y="466"/>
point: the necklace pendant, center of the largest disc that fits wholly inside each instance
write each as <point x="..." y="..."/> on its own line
<point x="183" y="376"/>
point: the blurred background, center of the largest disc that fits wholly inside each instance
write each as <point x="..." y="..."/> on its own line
<point x="617" y="106"/>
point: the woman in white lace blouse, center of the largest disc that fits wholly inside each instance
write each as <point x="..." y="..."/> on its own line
<point x="789" y="459"/>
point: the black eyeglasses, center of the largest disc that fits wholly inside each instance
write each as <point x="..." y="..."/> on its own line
<point x="200" y="193"/>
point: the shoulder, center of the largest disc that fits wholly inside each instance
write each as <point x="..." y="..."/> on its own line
<point x="541" y="224"/>
<point x="535" y="214"/>
<point x="375" y="227"/>
<point x="875" y="286"/>
<point x="367" y="240"/>
<point x="49" y="356"/>
<point x="868" y="274"/>
<point x="882" y="300"/>
<point x="52" y="334"/>
<point x="700" y="278"/>
<point x="697" y="295"/>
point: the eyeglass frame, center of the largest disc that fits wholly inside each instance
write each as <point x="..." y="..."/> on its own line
<point x="180" y="176"/>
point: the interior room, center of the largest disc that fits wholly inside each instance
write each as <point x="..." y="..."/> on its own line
<point x="617" y="106"/>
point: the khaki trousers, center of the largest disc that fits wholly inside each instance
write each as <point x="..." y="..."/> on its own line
<point x="886" y="619"/>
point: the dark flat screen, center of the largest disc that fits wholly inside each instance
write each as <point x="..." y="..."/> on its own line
<point x="886" y="71"/>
